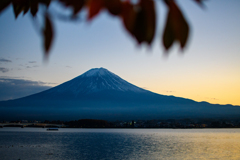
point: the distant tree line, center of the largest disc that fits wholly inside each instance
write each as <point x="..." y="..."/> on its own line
<point x="88" y="123"/>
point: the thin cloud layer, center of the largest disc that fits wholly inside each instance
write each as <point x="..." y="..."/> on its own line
<point x="3" y="70"/>
<point x="17" y="88"/>
<point x="4" y="60"/>
<point x="32" y="62"/>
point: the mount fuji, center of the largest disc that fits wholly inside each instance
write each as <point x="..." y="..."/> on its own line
<point x="101" y="94"/>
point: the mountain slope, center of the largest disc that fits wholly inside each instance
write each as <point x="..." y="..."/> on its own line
<point x="99" y="93"/>
<point x="101" y="84"/>
<point x="95" y="80"/>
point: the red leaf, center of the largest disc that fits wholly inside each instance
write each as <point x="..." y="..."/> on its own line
<point x="48" y="34"/>
<point x="46" y="2"/>
<point x="176" y="27"/>
<point x="34" y="7"/>
<point x="114" y="6"/>
<point x="168" y="36"/>
<point x="94" y="7"/>
<point x="17" y="10"/>
<point x="25" y="5"/>
<point x="77" y="5"/>
<point x="140" y="20"/>
<point x="128" y="15"/>
<point x="149" y="20"/>
<point x="26" y="8"/>
<point x="4" y="4"/>
<point x="19" y="6"/>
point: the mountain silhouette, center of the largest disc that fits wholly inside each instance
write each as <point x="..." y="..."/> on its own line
<point x="101" y="94"/>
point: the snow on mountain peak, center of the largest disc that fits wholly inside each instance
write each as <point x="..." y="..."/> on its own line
<point x="96" y="72"/>
<point x="95" y="80"/>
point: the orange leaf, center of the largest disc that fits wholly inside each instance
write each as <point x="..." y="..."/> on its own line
<point x="94" y="7"/>
<point x="48" y="34"/>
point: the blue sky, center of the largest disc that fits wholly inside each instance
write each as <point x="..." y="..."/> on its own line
<point x="207" y="70"/>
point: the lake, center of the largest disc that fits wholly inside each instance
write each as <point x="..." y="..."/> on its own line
<point x="37" y="143"/>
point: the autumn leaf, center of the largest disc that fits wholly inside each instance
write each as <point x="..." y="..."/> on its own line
<point x="34" y="7"/>
<point x="140" y="20"/>
<point x="147" y="21"/>
<point x="48" y="34"/>
<point x="45" y="2"/>
<point x="20" y="6"/>
<point x="128" y="16"/>
<point x="114" y="6"/>
<point x="77" y="5"/>
<point x="26" y="7"/>
<point x="138" y="17"/>
<point x="168" y="36"/>
<point x="17" y="10"/>
<point x="176" y="27"/>
<point x="94" y="7"/>
<point x="4" y="4"/>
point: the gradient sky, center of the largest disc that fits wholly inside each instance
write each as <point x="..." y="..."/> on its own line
<point x="207" y="70"/>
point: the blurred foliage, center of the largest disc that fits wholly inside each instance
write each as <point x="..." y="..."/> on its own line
<point x="138" y="17"/>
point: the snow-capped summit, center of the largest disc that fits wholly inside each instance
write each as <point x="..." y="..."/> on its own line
<point x="97" y="72"/>
<point x="95" y="80"/>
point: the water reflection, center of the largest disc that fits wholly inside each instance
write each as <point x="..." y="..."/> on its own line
<point x="120" y="144"/>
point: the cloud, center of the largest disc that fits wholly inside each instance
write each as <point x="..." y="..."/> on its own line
<point x="68" y="66"/>
<point x="32" y="62"/>
<point x="3" y="70"/>
<point x="4" y="60"/>
<point x="35" y="66"/>
<point x="11" y="88"/>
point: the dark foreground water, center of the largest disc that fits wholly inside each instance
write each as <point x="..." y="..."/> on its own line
<point x="37" y="143"/>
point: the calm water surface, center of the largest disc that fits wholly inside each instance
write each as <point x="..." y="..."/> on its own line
<point x="37" y="143"/>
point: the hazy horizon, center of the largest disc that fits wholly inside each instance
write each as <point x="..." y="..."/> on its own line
<point x="26" y="88"/>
